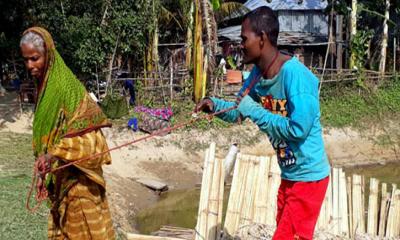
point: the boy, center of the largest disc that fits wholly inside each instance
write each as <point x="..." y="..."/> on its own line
<point x="281" y="97"/>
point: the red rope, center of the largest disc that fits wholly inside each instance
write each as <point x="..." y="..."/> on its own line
<point x="42" y="193"/>
<point x="41" y="190"/>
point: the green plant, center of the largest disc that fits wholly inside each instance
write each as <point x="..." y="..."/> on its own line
<point x="231" y="62"/>
<point x="359" y="47"/>
<point x="351" y="105"/>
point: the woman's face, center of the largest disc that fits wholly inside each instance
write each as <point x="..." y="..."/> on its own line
<point x="35" y="60"/>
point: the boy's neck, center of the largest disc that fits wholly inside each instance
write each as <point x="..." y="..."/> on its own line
<point x="271" y="62"/>
<point x="267" y="61"/>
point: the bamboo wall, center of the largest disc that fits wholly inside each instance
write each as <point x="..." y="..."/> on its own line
<point x="346" y="209"/>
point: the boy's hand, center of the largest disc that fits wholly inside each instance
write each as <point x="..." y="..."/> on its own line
<point x="205" y="105"/>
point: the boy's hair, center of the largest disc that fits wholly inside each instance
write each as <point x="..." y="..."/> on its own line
<point x="264" y="19"/>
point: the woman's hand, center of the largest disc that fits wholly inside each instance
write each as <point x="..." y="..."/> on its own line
<point x="42" y="167"/>
<point x="43" y="164"/>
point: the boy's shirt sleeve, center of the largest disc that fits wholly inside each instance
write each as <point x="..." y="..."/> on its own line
<point x="233" y="115"/>
<point x="302" y="107"/>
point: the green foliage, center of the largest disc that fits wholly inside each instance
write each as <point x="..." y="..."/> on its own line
<point x="215" y="4"/>
<point x="114" y="106"/>
<point x="350" y="105"/>
<point x="86" y="32"/>
<point x="359" y="47"/>
<point x="231" y="62"/>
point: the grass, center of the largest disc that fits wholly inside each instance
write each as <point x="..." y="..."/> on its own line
<point x="15" y="177"/>
<point x="16" y="162"/>
<point x="348" y="105"/>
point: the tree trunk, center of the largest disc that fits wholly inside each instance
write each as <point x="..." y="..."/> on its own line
<point x="382" y="63"/>
<point x="155" y="55"/>
<point x="198" y="55"/>
<point x="211" y="38"/>
<point x="353" y="29"/>
<point x="110" y="65"/>
<point x="189" y="36"/>
<point x="339" y="38"/>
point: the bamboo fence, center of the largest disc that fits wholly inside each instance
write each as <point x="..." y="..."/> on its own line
<point x="346" y="210"/>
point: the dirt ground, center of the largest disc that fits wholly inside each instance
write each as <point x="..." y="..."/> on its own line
<point x="176" y="159"/>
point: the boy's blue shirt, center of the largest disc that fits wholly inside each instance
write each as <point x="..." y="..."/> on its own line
<point x="286" y="108"/>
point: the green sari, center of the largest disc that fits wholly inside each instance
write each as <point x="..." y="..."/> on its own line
<point x="63" y="108"/>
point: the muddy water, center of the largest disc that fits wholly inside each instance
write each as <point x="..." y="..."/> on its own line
<point x="389" y="173"/>
<point x="179" y="208"/>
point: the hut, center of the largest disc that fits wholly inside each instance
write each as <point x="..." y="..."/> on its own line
<point x="303" y="28"/>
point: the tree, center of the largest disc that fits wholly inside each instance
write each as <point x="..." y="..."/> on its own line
<point x="87" y="33"/>
<point x="382" y="63"/>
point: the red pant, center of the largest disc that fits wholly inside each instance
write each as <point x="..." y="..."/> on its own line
<point x="299" y="204"/>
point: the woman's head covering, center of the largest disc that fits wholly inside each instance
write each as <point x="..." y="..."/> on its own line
<point x="63" y="108"/>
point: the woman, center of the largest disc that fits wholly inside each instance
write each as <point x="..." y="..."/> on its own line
<point x="67" y="127"/>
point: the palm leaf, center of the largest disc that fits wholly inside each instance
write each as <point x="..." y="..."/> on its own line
<point x="167" y="16"/>
<point x="229" y="10"/>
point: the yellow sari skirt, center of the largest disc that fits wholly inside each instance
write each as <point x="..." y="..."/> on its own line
<point x="83" y="211"/>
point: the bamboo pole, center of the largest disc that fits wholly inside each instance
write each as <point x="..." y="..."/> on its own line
<point x="350" y="204"/>
<point x="220" y="200"/>
<point x="322" y="218"/>
<point x="206" y="209"/>
<point x="230" y="212"/>
<point x="213" y="208"/>
<point x="176" y="232"/>
<point x="335" y="201"/>
<point x="396" y="225"/>
<point x="134" y="236"/>
<point x="201" y="229"/>
<point x="246" y="196"/>
<point x="260" y="214"/>
<point x="249" y="197"/>
<point x="390" y="227"/>
<point x="358" y="212"/>
<point x="372" y="224"/>
<point x="383" y="211"/>
<point x="343" y="207"/>
<point x="239" y="201"/>
<point x="328" y="206"/>
<point x="199" y="223"/>
<point x="235" y="196"/>
<point x="273" y="186"/>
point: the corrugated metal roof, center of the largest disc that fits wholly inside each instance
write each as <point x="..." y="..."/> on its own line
<point x="284" y="38"/>
<point x="288" y="4"/>
<point x="232" y="33"/>
<point x="279" y="5"/>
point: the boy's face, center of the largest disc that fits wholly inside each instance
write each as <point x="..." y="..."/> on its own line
<point x="251" y="43"/>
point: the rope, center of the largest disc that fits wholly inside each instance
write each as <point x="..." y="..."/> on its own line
<point x="38" y="179"/>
